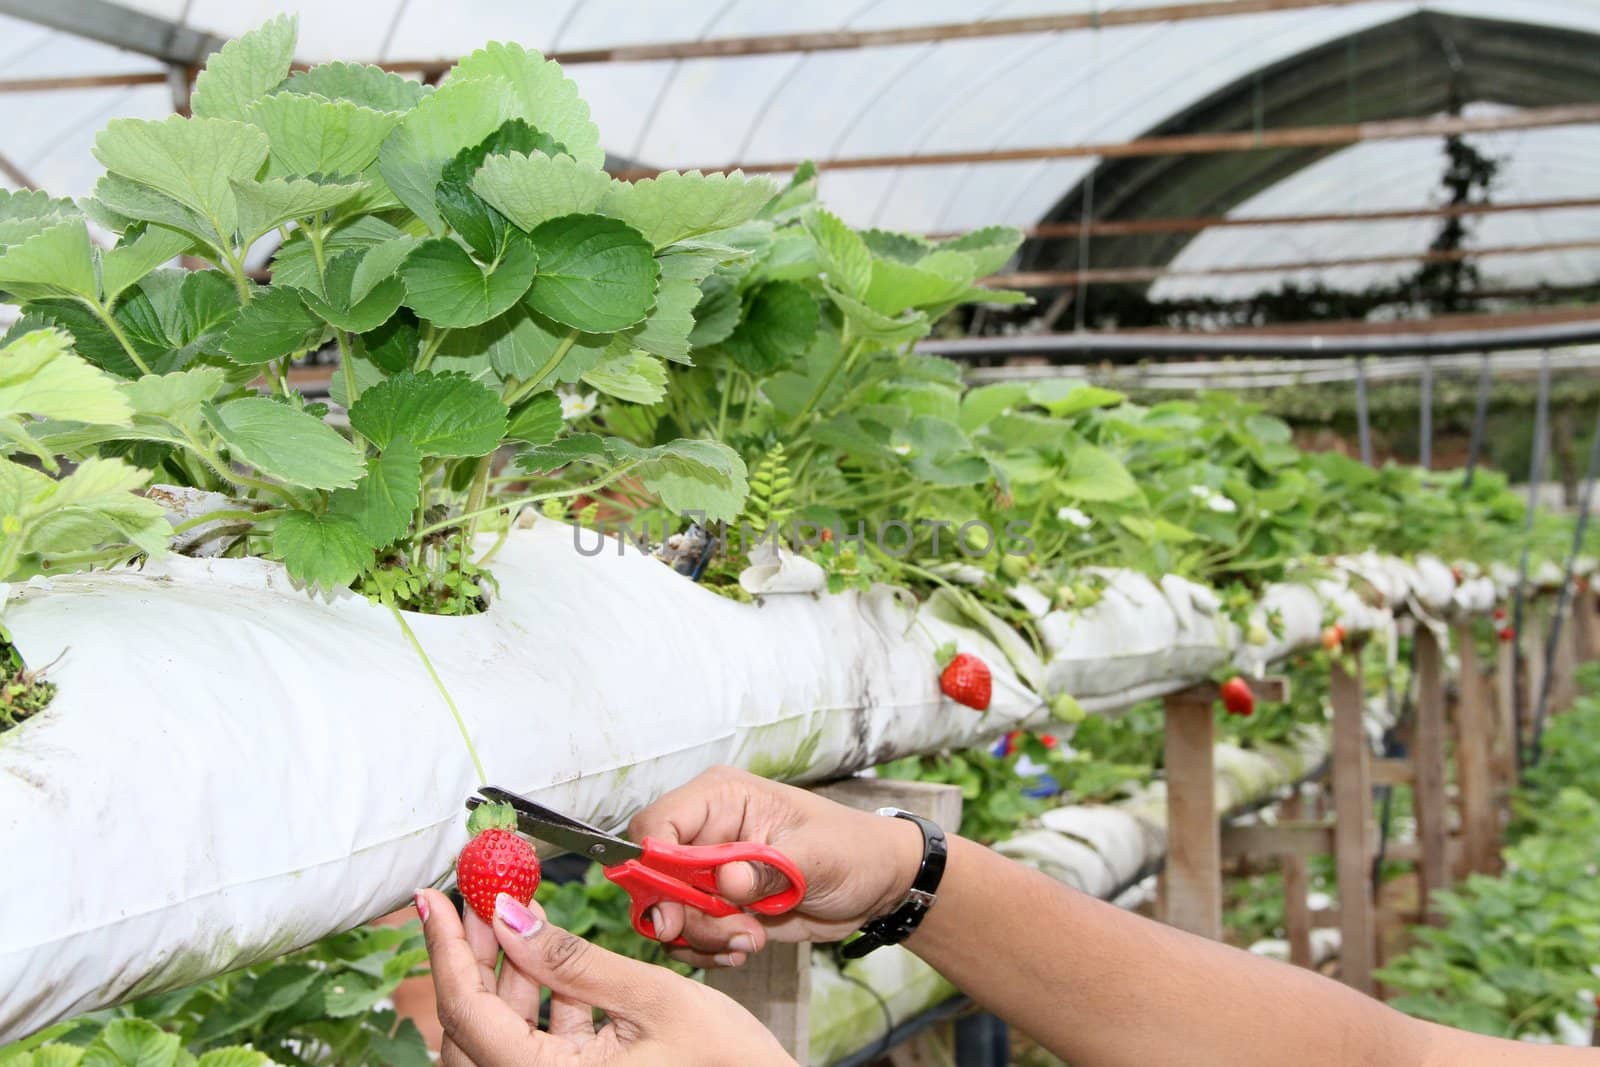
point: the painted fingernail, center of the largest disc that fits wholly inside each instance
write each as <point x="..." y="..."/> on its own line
<point x="742" y="943"/>
<point x="523" y="922"/>
<point x="422" y="905"/>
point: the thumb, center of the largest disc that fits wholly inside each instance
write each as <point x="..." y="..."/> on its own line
<point x="574" y="968"/>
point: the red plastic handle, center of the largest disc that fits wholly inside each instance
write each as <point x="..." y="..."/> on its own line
<point x="687" y="874"/>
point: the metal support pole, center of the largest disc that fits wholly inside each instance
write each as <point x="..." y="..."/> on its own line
<point x="1480" y="418"/>
<point x="1564" y="595"/>
<point x="1541" y="425"/>
<point x="1363" y="419"/>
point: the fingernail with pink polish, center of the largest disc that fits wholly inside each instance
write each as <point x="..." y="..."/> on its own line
<point x="421" y="903"/>
<point x="522" y="922"/>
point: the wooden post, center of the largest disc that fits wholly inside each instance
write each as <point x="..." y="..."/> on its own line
<point x="1563" y="683"/>
<point x="1506" y="739"/>
<point x="1296" y="886"/>
<point x="1352" y="806"/>
<point x="1534" y="623"/>
<point x="1428" y="760"/>
<point x="1191" y="881"/>
<point x="1193" y="872"/>
<point x="1475" y="730"/>
<point x="1584" y="630"/>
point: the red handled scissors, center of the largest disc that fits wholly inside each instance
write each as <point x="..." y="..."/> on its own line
<point x="655" y="871"/>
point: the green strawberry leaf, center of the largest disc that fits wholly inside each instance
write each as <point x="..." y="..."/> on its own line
<point x="56" y="262"/>
<point x="130" y="261"/>
<point x="358" y="83"/>
<point x="178" y="398"/>
<point x="321" y="551"/>
<point x="393" y="346"/>
<point x="174" y="316"/>
<point x="475" y="221"/>
<point x="717" y="314"/>
<point x="313" y="135"/>
<point x="442" y="414"/>
<point x="446" y="287"/>
<point x="1095" y="474"/>
<point x="132" y="1043"/>
<point x="354" y="299"/>
<point x="689" y="476"/>
<point x="234" y="1057"/>
<point x="533" y="188"/>
<point x="894" y="286"/>
<point x="667" y="331"/>
<point x="266" y="205"/>
<point x="629" y="375"/>
<point x="863" y="321"/>
<point x="989" y="248"/>
<point x="385" y="501"/>
<point x="120" y="202"/>
<point x="844" y="254"/>
<point x="296" y="261"/>
<point x="193" y="161"/>
<point x="536" y="420"/>
<point x="464" y="111"/>
<point x="275" y="324"/>
<point x="779" y="324"/>
<point x="673" y="207"/>
<point x="41" y="376"/>
<point x="283" y="443"/>
<point x="904" y="248"/>
<point x="544" y="96"/>
<point x="541" y="459"/>
<point x="595" y="274"/>
<point x="245" y="69"/>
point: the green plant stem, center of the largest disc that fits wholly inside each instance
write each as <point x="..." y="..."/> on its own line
<point x="430" y="346"/>
<point x="110" y="323"/>
<point x="528" y="385"/>
<point x="223" y="516"/>
<point x="242" y="481"/>
<point x="461" y="724"/>
<point x="347" y="368"/>
<point x="478" y="492"/>
<point x="522" y="502"/>
<point x="846" y="358"/>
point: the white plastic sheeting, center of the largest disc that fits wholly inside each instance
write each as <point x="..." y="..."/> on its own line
<point x="232" y="769"/>
<point x="244" y="769"/>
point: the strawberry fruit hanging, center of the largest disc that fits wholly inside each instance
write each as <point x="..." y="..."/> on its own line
<point x="965" y="678"/>
<point x="495" y="861"/>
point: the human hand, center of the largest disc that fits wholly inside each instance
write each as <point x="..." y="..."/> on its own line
<point x="654" y="1015"/>
<point x="857" y="865"/>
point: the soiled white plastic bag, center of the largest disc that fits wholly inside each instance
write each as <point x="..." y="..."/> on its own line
<point x="232" y="769"/>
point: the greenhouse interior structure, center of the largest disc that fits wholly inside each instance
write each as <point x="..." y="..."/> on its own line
<point x="1028" y="532"/>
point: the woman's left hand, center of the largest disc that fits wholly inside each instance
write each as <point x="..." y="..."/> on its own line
<point x="654" y="1016"/>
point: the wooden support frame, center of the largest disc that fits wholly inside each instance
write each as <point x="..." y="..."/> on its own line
<point x="1585" y="631"/>
<point x="1191" y="882"/>
<point x="1475" y="728"/>
<point x="1428" y="763"/>
<point x="1296" y="890"/>
<point x="1505" y="710"/>
<point x="1190" y="143"/>
<point x="775" y="985"/>
<point x="1049" y="279"/>
<point x="1352" y="808"/>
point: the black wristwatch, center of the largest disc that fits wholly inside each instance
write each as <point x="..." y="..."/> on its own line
<point x="895" y="927"/>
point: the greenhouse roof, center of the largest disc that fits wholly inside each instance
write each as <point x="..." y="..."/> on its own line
<point x="1118" y="73"/>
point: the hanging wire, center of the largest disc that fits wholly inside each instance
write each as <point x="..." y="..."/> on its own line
<point x="1425" y="444"/>
<point x="1564" y="596"/>
<point x="1363" y="416"/>
<point x="1480" y="418"/>
<point x="1541" y="421"/>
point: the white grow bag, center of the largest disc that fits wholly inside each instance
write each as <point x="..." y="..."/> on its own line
<point x="232" y="769"/>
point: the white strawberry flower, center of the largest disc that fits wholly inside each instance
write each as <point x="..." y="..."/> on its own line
<point x="575" y="405"/>
<point x="1075" y="517"/>
<point x="900" y="450"/>
<point x="1221" y="503"/>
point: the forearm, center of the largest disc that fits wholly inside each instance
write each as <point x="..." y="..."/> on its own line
<point x="1101" y="987"/>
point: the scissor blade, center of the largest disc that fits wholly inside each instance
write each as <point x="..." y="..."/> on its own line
<point x="546" y="824"/>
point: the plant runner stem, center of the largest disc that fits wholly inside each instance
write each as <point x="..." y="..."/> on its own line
<point x="405" y="628"/>
<point x="529" y="385"/>
<point x="522" y="502"/>
<point x="105" y="316"/>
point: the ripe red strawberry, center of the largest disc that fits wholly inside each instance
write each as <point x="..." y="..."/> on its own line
<point x="1237" y="697"/>
<point x="966" y="680"/>
<point x="1507" y="634"/>
<point x="495" y="861"/>
<point x="1499" y="614"/>
<point x="1333" y="637"/>
<point x="1048" y="740"/>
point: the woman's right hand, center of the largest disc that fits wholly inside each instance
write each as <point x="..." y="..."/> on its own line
<point x="857" y="865"/>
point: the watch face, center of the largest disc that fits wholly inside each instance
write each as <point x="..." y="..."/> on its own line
<point x="890" y="812"/>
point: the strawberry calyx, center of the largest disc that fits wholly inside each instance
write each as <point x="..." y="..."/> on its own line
<point x="944" y="654"/>
<point x="491" y="817"/>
